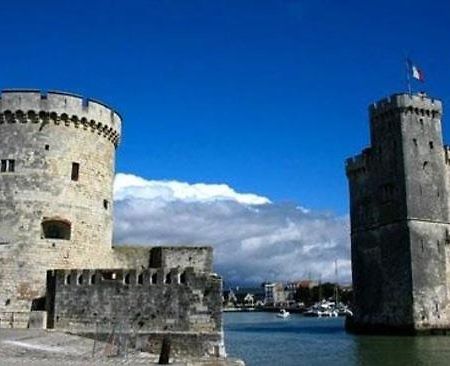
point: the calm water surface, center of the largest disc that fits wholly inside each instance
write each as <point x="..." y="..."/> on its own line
<point x="263" y="339"/>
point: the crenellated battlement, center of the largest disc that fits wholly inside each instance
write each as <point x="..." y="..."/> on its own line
<point x="418" y="104"/>
<point x="358" y="164"/>
<point x="60" y="108"/>
<point x="128" y="277"/>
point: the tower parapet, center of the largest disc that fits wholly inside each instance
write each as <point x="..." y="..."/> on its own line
<point x="59" y="108"/>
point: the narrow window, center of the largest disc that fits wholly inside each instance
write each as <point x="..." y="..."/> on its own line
<point x="93" y="279"/>
<point x="140" y="279"/>
<point x="105" y="204"/>
<point x="75" y="171"/>
<point x="168" y="278"/>
<point x="415" y="142"/>
<point x="67" y="279"/>
<point x="3" y="166"/>
<point x="56" y="229"/>
<point x="183" y="278"/>
<point x="11" y="165"/>
<point x="126" y="280"/>
<point x="80" y="280"/>
<point x="154" y="278"/>
<point x="47" y="147"/>
<point x="431" y="145"/>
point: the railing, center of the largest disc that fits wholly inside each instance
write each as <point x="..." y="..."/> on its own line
<point x="14" y="319"/>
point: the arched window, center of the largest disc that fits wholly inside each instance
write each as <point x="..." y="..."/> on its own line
<point x="168" y="279"/>
<point x="154" y="278"/>
<point x="140" y="279"/>
<point x="126" y="279"/>
<point x="183" y="278"/>
<point x="56" y="229"/>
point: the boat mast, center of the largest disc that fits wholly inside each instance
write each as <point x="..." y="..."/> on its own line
<point x="336" y="288"/>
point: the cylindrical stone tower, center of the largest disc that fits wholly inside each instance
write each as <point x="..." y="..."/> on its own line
<point x="57" y="154"/>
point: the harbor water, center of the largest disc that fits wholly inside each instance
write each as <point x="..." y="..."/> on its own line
<point x="262" y="339"/>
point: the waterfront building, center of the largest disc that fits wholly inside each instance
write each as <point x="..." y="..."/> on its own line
<point x="274" y="294"/>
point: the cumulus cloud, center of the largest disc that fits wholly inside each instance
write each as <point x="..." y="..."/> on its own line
<point x="254" y="239"/>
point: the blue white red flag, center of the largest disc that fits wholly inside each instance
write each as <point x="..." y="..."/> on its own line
<point x="416" y="73"/>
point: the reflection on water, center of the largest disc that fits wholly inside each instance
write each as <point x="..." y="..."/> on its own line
<point x="263" y="339"/>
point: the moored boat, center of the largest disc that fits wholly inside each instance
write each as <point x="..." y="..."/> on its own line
<point x="283" y="314"/>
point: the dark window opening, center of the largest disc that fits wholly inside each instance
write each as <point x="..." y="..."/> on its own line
<point x="105" y="204"/>
<point x="67" y="281"/>
<point x="154" y="278"/>
<point x="126" y="279"/>
<point x="93" y="279"/>
<point x="140" y="279"/>
<point x="11" y="165"/>
<point x="56" y="229"/>
<point x="183" y="278"/>
<point x="75" y="171"/>
<point x="168" y="278"/>
<point x="47" y="147"/>
<point x="415" y="142"/>
<point x="431" y="145"/>
<point x="80" y="279"/>
<point x="38" y="304"/>
<point x="7" y="302"/>
<point x="7" y="165"/>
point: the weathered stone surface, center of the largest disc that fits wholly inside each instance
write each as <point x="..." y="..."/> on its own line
<point x="44" y="135"/>
<point x="399" y="208"/>
<point x="57" y="154"/>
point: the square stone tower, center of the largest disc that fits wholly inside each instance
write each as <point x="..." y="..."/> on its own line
<point x="399" y="209"/>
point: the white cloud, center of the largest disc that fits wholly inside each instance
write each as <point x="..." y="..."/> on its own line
<point x="254" y="239"/>
<point x="128" y="185"/>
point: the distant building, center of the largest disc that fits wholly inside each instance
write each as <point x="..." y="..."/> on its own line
<point x="274" y="294"/>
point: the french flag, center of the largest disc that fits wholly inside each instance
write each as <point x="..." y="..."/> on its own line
<point x="416" y="73"/>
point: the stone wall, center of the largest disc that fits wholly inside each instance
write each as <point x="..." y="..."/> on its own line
<point x="200" y="258"/>
<point x="150" y="303"/>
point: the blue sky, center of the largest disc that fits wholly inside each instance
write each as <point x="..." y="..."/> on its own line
<point x="267" y="96"/>
<point x="238" y="115"/>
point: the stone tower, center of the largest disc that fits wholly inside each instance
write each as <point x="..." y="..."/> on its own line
<point x="57" y="153"/>
<point x="399" y="208"/>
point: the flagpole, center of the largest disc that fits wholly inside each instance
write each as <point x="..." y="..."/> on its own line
<point x="408" y="75"/>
